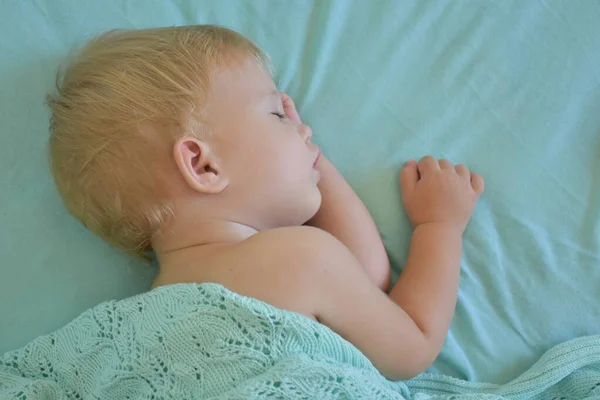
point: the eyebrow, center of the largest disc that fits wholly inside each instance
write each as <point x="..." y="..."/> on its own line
<point x="274" y="93"/>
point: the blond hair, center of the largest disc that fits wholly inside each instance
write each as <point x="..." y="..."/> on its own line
<point x="126" y="98"/>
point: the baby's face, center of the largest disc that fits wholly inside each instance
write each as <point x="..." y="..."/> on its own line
<point x="268" y="159"/>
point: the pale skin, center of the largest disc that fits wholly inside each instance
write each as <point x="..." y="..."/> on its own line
<point x="260" y="210"/>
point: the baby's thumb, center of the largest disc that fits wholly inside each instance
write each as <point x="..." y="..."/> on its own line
<point x="409" y="176"/>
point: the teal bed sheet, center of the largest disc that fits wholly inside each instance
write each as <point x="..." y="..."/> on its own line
<point x="510" y="88"/>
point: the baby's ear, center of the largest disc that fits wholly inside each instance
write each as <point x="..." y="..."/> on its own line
<point x="198" y="166"/>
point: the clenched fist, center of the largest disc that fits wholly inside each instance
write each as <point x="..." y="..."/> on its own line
<point x="438" y="192"/>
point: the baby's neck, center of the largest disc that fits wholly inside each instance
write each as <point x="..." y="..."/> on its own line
<point x="194" y="241"/>
<point x="196" y="237"/>
<point x="195" y="232"/>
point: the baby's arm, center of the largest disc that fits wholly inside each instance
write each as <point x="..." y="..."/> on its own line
<point x="403" y="333"/>
<point x="439" y="199"/>
<point x="344" y="215"/>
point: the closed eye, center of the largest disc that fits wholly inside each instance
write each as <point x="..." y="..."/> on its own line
<point x="279" y="115"/>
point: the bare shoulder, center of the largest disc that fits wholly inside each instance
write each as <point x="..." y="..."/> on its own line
<point x="315" y="274"/>
<point x="310" y="272"/>
<point x="281" y="267"/>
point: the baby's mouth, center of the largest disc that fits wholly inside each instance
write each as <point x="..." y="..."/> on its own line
<point x="317" y="158"/>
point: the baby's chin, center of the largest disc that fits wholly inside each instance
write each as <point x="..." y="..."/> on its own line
<point x="292" y="211"/>
<point x="313" y="206"/>
<point x="318" y="203"/>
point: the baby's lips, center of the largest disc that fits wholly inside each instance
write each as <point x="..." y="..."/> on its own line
<point x="317" y="157"/>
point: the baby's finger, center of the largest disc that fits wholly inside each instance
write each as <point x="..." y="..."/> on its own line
<point x="290" y="108"/>
<point x="428" y="163"/>
<point x="409" y="177"/>
<point x="478" y="183"/>
<point x="462" y="170"/>
<point x="445" y="164"/>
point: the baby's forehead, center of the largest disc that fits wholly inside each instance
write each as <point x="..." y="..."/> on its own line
<point x="248" y="81"/>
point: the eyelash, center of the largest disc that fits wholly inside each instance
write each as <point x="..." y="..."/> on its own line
<point x="279" y="115"/>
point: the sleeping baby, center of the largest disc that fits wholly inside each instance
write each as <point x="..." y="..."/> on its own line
<point x="176" y="142"/>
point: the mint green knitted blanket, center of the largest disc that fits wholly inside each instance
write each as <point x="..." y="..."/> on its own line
<point x="192" y="341"/>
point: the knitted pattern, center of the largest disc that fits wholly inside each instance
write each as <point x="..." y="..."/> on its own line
<point x="191" y="341"/>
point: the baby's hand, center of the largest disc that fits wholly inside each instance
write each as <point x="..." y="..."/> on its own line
<point x="439" y="192"/>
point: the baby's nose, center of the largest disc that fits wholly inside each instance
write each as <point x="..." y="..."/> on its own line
<point x="305" y="132"/>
